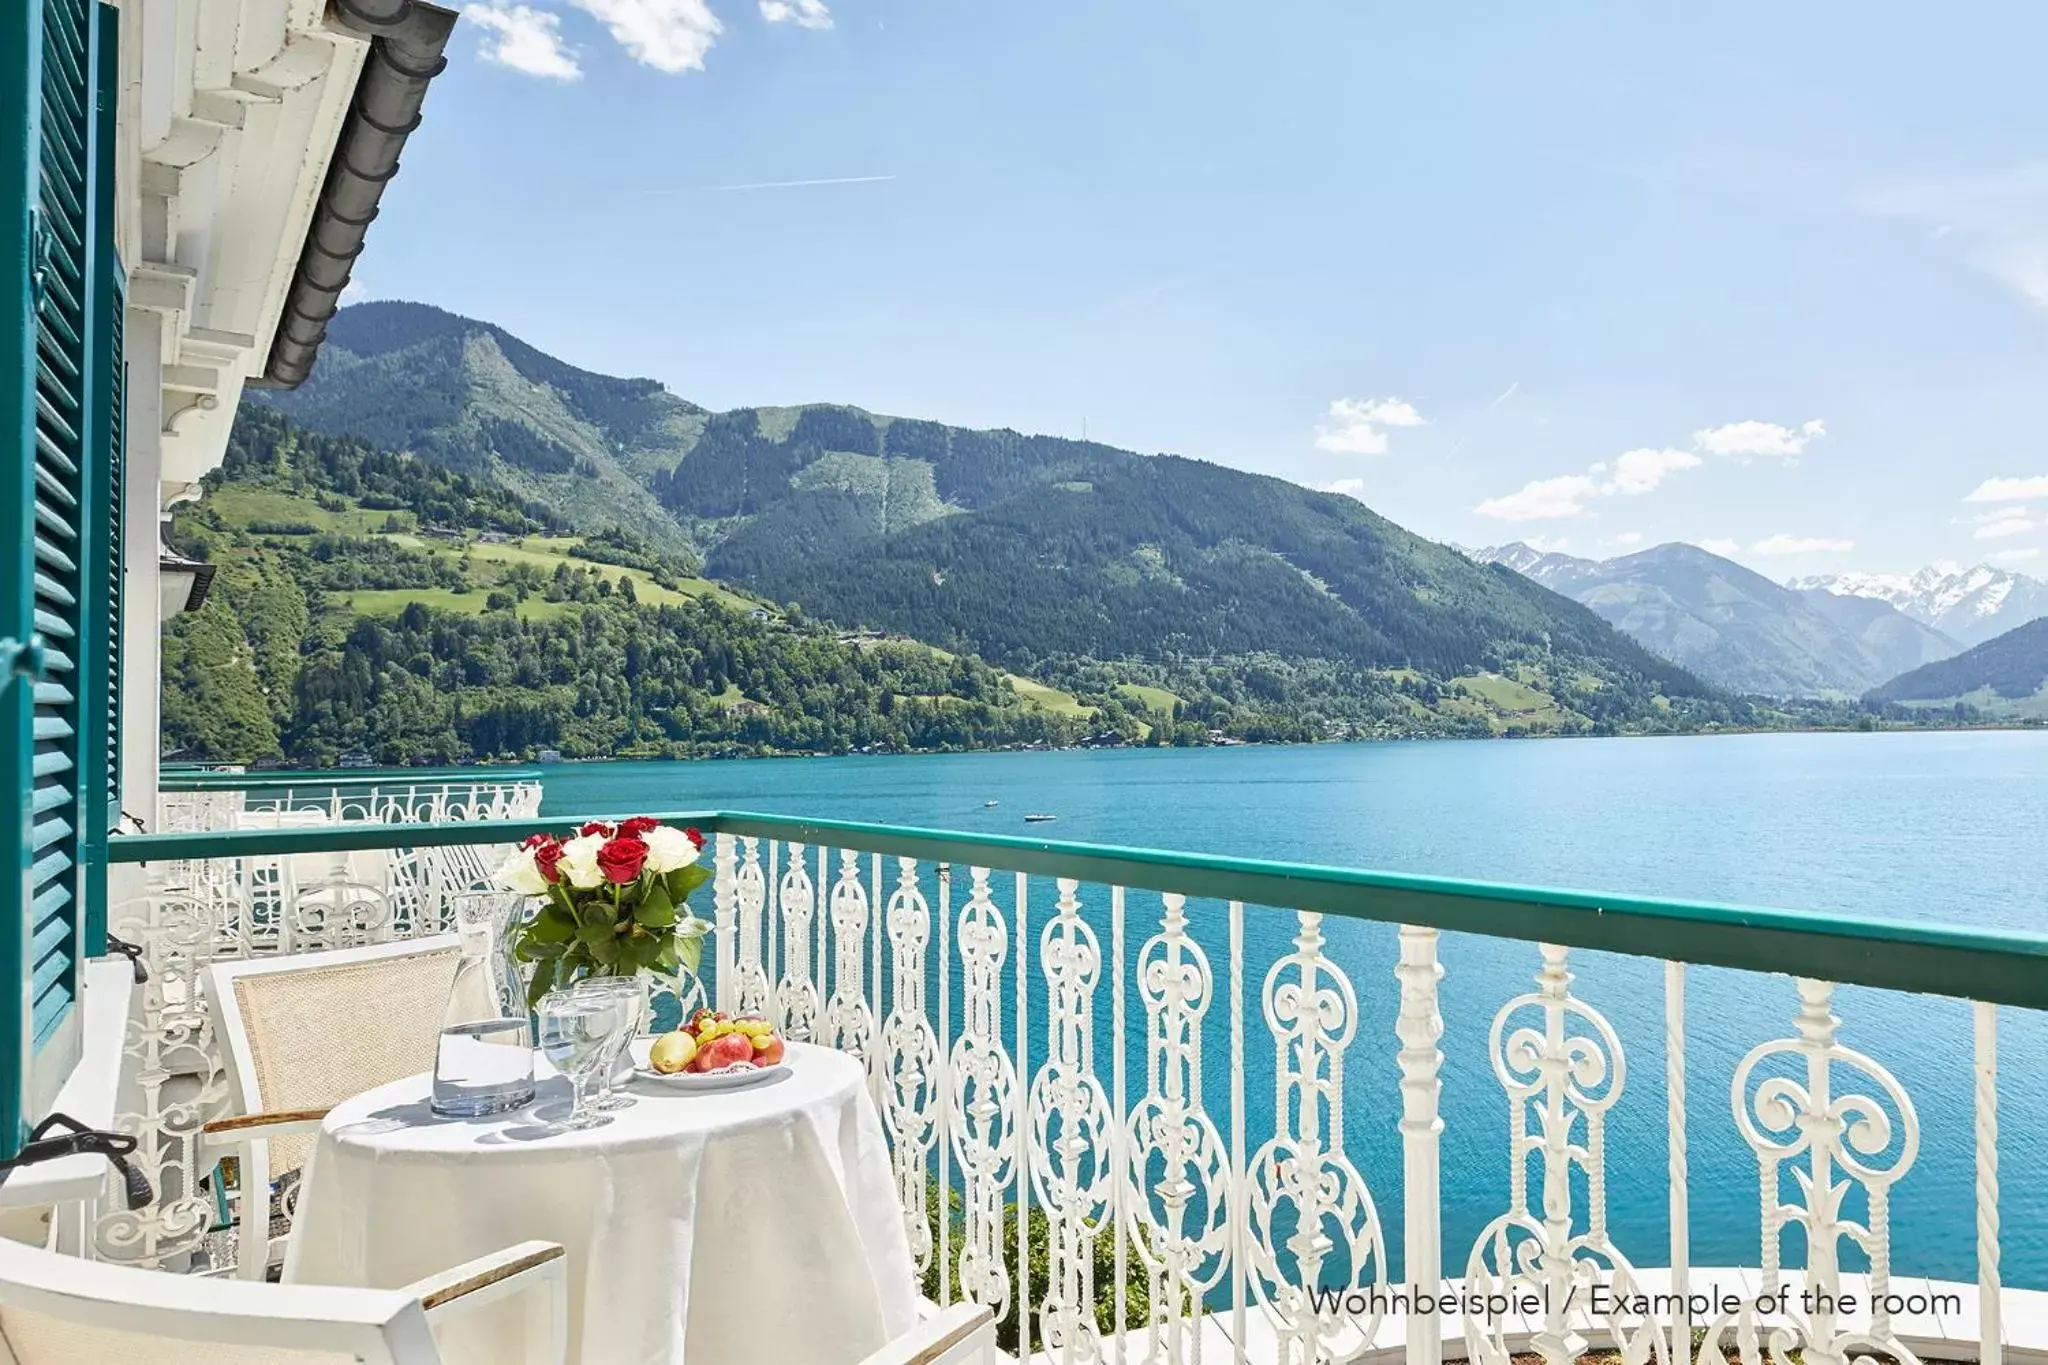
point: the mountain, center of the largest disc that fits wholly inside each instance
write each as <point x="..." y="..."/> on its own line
<point x="1045" y="555"/>
<point x="1735" y="627"/>
<point x="1969" y="605"/>
<point x="2007" y="674"/>
<point x="476" y="399"/>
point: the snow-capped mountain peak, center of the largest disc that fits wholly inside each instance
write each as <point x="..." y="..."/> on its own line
<point x="1971" y="604"/>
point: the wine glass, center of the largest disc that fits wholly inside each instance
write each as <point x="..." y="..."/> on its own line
<point x="575" y="1033"/>
<point x="628" y="997"/>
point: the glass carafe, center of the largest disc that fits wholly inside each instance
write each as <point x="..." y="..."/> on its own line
<point x="484" y="1064"/>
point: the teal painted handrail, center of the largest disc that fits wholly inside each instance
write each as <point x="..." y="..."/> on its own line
<point x="1998" y="966"/>
<point x="345" y="778"/>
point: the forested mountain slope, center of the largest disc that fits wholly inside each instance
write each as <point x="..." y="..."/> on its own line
<point x="1045" y="555"/>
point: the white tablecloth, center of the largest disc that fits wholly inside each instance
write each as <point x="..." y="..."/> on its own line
<point x="737" y="1228"/>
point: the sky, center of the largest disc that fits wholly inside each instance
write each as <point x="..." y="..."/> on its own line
<point x="1769" y="278"/>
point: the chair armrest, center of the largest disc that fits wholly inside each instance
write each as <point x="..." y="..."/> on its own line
<point x="964" y="1333"/>
<point x="250" y="1127"/>
<point x="502" y="1272"/>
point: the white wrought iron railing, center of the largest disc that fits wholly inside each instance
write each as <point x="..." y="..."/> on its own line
<point x="191" y="912"/>
<point x="231" y="800"/>
<point x="1138" y="1102"/>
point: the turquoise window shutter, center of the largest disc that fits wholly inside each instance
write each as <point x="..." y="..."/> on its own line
<point x="55" y="446"/>
<point x="100" y="768"/>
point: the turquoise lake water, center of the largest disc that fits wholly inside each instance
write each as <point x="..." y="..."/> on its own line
<point x="1945" y="827"/>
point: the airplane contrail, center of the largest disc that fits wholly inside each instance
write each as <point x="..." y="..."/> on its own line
<point x="1507" y="393"/>
<point x="780" y="184"/>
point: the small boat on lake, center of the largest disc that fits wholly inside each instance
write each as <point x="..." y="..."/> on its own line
<point x="988" y="805"/>
<point x="1038" y="818"/>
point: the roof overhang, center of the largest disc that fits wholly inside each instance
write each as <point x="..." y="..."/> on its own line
<point x="408" y="39"/>
<point x="254" y="143"/>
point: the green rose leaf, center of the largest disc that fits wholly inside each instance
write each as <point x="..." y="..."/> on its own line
<point x="656" y="910"/>
<point x="552" y="925"/>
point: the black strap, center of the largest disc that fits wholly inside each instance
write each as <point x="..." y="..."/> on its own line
<point x="131" y="951"/>
<point x="115" y="1147"/>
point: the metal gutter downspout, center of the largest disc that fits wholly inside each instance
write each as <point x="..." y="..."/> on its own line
<point x="406" y="53"/>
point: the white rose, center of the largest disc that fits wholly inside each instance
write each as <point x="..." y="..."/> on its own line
<point x="522" y="874"/>
<point x="579" y="861"/>
<point x="668" y="848"/>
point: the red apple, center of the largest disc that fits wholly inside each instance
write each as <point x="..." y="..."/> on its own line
<point x="768" y="1050"/>
<point x="723" y="1050"/>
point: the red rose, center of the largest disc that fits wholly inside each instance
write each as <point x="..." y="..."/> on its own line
<point x="637" y="826"/>
<point x="597" y="827"/>
<point x="545" y="856"/>
<point x="695" y="836"/>
<point x="620" y="859"/>
<point x="536" y="840"/>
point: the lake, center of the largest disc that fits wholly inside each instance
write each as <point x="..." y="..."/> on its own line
<point x="1939" y="826"/>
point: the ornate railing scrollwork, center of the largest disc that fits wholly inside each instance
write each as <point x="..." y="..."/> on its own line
<point x="1803" y="1120"/>
<point x="1560" y="1081"/>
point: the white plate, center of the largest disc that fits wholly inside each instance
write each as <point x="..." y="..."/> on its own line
<point x="732" y="1078"/>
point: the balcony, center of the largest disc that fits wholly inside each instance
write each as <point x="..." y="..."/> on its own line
<point x="1155" y="1098"/>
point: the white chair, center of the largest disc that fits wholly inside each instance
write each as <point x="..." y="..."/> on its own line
<point x="300" y="1035"/>
<point x="60" y="1310"/>
<point x="964" y="1334"/>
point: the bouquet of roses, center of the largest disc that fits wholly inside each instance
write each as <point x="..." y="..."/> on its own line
<point x="612" y="902"/>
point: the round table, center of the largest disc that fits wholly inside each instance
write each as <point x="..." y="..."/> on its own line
<point x="727" y="1228"/>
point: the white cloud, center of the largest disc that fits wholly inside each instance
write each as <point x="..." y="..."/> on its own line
<point x="802" y="13"/>
<point x="1741" y="440"/>
<point x="2009" y="490"/>
<point x="1356" y="425"/>
<point x="524" y="39"/>
<point x="1639" y="471"/>
<point x="1627" y="540"/>
<point x="1782" y="544"/>
<point x="1545" y="545"/>
<point x="2017" y="556"/>
<point x="1632" y="472"/>
<point x="1719" y="545"/>
<point x="1350" y="488"/>
<point x="2005" y="527"/>
<point x="668" y="35"/>
<point x="1541" y="499"/>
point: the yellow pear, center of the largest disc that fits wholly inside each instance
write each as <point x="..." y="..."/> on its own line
<point x="672" y="1052"/>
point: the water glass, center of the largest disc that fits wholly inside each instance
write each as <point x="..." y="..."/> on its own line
<point x="628" y="996"/>
<point x="576" y="1032"/>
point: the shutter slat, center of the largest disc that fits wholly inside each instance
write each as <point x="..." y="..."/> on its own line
<point x="63" y="391"/>
<point x="52" y="694"/>
<point x="49" y="763"/>
<point x="55" y="558"/>
<point x="49" y="797"/>
<point x="49" y="867"/>
<point x="53" y="627"/>
<point x="48" y="485"/>
<point x="61" y="431"/>
<point x="50" y="590"/>
<point x="65" y="330"/>
<point x="51" y="727"/>
<point x="57" y="661"/>
<point x="55" y="357"/>
<point x="54" y="521"/>
<point x="49" y="457"/>
<point x="47" y="832"/>
<point x="46" y="909"/>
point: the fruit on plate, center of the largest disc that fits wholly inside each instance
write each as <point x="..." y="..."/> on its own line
<point x="673" y="1052"/>
<point x="727" y="1049"/>
<point x="712" y="1040"/>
